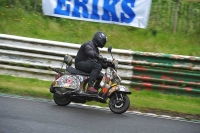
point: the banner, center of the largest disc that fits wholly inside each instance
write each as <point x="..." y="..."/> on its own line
<point x="122" y="12"/>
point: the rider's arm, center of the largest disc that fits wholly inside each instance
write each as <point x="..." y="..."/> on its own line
<point x="90" y="51"/>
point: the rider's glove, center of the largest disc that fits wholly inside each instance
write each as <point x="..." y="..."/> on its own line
<point x="98" y="56"/>
<point x="105" y="60"/>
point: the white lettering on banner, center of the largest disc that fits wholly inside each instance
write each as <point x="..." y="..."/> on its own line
<point x="123" y="12"/>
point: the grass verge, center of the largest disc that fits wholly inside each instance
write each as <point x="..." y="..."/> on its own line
<point x="17" y="21"/>
<point x="144" y="101"/>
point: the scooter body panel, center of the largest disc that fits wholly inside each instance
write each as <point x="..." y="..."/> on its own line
<point x="72" y="82"/>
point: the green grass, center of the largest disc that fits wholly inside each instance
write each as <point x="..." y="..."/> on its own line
<point x="139" y="99"/>
<point x="23" y="86"/>
<point x="183" y="104"/>
<point x="17" y="21"/>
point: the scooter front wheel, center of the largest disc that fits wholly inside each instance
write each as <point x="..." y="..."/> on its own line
<point x="119" y="103"/>
<point x="62" y="101"/>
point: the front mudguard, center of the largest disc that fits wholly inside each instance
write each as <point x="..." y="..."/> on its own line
<point x="124" y="89"/>
<point x="118" y="88"/>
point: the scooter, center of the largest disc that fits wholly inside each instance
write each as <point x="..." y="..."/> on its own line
<point x="70" y="86"/>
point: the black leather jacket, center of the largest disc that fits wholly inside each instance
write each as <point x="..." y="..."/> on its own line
<point x="87" y="51"/>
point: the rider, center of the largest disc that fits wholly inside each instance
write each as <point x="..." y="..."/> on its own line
<point x="89" y="60"/>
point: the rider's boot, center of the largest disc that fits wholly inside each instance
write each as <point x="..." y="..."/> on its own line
<point x="90" y="88"/>
<point x="97" y="84"/>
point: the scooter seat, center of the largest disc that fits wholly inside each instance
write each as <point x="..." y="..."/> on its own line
<point x="75" y="71"/>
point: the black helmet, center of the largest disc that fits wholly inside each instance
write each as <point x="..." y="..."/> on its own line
<point x="100" y="39"/>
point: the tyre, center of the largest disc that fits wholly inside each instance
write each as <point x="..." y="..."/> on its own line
<point x="121" y="105"/>
<point x="61" y="101"/>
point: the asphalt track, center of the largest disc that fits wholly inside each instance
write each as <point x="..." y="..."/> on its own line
<point x="29" y="115"/>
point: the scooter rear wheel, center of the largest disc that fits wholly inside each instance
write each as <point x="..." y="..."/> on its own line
<point x="62" y="101"/>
